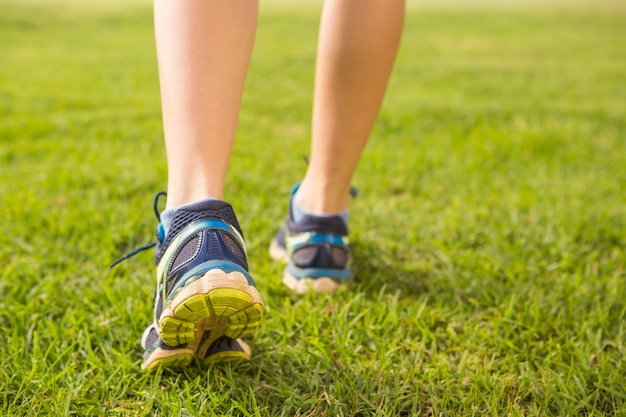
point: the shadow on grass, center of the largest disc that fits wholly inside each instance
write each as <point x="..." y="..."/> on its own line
<point x="390" y="270"/>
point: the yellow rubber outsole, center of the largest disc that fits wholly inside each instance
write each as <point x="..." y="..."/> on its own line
<point x="230" y="308"/>
<point x="215" y="305"/>
<point x="168" y="360"/>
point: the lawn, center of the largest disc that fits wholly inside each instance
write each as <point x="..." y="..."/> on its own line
<point x="489" y="233"/>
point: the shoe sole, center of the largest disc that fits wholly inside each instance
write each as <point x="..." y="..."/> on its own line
<point x="176" y="359"/>
<point x="217" y="304"/>
<point x="323" y="285"/>
<point x="277" y="252"/>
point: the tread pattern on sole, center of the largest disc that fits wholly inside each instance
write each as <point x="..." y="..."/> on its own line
<point x="218" y="303"/>
<point x="214" y="305"/>
<point x="222" y="357"/>
<point x="236" y="306"/>
<point x="175" y="360"/>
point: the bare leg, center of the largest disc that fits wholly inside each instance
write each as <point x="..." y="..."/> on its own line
<point x="204" y="49"/>
<point x="357" y="47"/>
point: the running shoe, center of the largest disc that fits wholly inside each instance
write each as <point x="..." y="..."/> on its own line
<point x="317" y="252"/>
<point x="205" y="300"/>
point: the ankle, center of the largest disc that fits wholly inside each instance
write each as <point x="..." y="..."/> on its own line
<point x="192" y="188"/>
<point x="321" y="199"/>
<point x="167" y="216"/>
<point x="298" y="213"/>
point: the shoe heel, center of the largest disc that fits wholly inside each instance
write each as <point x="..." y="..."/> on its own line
<point x="219" y="303"/>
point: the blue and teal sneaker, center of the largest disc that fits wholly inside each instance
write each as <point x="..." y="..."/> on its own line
<point x="205" y="299"/>
<point x="317" y="252"/>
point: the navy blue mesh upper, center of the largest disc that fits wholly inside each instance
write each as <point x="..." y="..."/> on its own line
<point x="205" y="245"/>
<point x="318" y="224"/>
<point x="317" y="255"/>
<point x="224" y="344"/>
<point x="320" y="256"/>
<point x="206" y="210"/>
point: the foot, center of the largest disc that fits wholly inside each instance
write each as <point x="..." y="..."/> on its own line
<point x="317" y="252"/>
<point x="205" y="299"/>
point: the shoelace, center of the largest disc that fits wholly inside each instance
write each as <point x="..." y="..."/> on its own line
<point x="155" y="206"/>
<point x="160" y="233"/>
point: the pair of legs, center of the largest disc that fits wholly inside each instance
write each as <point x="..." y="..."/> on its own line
<point x="204" y="49"/>
<point x="206" y="300"/>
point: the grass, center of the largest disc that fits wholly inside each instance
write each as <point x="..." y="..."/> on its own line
<point x="489" y="234"/>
